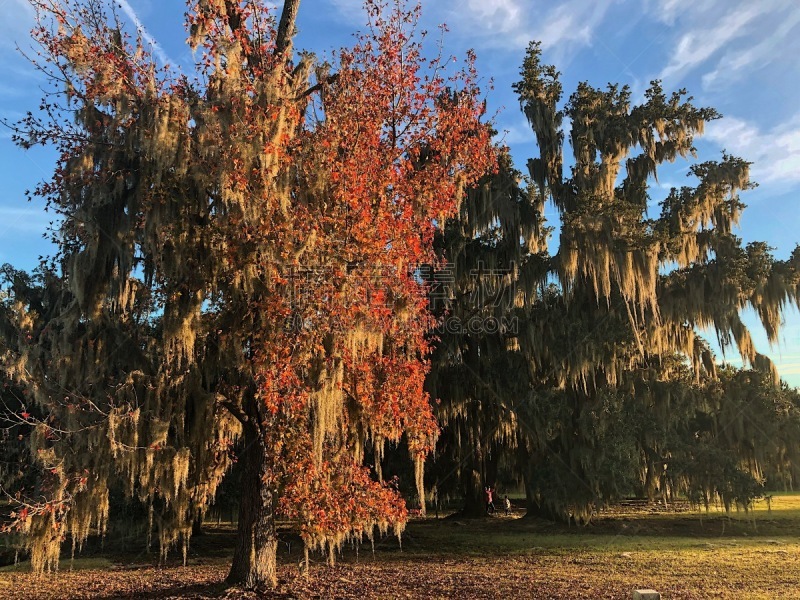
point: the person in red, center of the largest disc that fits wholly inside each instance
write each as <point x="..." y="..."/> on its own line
<point x="489" y="500"/>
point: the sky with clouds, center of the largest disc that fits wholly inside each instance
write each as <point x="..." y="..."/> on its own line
<point x="738" y="56"/>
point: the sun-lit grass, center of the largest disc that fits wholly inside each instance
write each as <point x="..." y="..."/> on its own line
<point x="691" y="553"/>
<point x="685" y="555"/>
<point x="774" y="505"/>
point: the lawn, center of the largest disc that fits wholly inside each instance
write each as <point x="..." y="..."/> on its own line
<point x="680" y="552"/>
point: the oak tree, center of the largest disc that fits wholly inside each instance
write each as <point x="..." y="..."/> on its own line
<point x="608" y="327"/>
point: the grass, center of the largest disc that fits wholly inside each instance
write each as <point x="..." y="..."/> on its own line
<point x="782" y="505"/>
<point x="686" y="554"/>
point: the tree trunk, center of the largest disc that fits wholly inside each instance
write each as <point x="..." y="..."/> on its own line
<point x="491" y="464"/>
<point x="197" y="526"/>
<point x="472" y="485"/>
<point x="254" y="558"/>
<point x="525" y="466"/>
<point x="534" y="507"/>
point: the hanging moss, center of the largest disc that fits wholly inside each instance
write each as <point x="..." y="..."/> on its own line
<point x="624" y="297"/>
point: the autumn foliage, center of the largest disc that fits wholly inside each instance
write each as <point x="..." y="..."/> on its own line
<point x="237" y="259"/>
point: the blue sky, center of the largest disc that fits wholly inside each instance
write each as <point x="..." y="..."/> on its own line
<point x="738" y="56"/>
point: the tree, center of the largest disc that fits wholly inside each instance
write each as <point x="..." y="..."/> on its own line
<point x="652" y="282"/>
<point x="18" y="470"/>
<point x="495" y="256"/>
<point x="601" y="321"/>
<point x="236" y="258"/>
<point x="740" y="428"/>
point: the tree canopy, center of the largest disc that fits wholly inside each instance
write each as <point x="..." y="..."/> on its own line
<point x="236" y="259"/>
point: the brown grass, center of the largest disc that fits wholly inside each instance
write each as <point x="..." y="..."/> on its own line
<point x="679" y="554"/>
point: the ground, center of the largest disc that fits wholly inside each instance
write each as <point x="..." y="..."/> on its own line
<point x="679" y="552"/>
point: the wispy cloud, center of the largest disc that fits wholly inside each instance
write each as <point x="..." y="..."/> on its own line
<point x="350" y="10"/>
<point x="512" y="24"/>
<point x="774" y="152"/>
<point x="699" y="44"/>
<point x="571" y="23"/>
<point x="499" y="16"/>
<point x="509" y="25"/>
<point x="787" y="370"/>
<point x="788" y="367"/>
<point x="669" y="11"/>
<point x="517" y="132"/>
<point x="23" y="220"/>
<point x="158" y="51"/>
<point x="736" y="64"/>
<point x="17" y="22"/>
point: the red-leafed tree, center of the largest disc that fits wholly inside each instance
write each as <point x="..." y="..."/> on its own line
<point x="237" y="257"/>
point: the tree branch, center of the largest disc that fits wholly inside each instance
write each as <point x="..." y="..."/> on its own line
<point x="235" y="410"/>
<point x="318" y="86"/>
<point x="286" y="29"/>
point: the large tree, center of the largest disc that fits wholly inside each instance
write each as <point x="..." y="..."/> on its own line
<point x="639" y="288"/>
<point x="603" y="319"/>
<point x="236" y="258"/>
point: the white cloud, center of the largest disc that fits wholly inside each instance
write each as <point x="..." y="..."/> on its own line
<point x="775" y="153"/>
<point x="788" y="367"/>
<point x="23" y="220"/>
<point x="564" y="25"/>
<point x="500" y="16"/>
<point x="699" y="44"/>
<point x="736" y="64"/>
<point x="507" y="24"/>
<point x="16" y="24"/>
<point x="512" y="24"/>
<point x="7" y="90"/>
<point x="19" y="18"/>
<point x="668" y="11"/>
<point x="518" y="132"/>
<point x="351" y="10"/>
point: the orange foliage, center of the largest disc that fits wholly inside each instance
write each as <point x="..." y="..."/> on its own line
<point x="280" y="217"/>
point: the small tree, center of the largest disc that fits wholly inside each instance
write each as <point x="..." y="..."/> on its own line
<point x="236" y="258"/>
